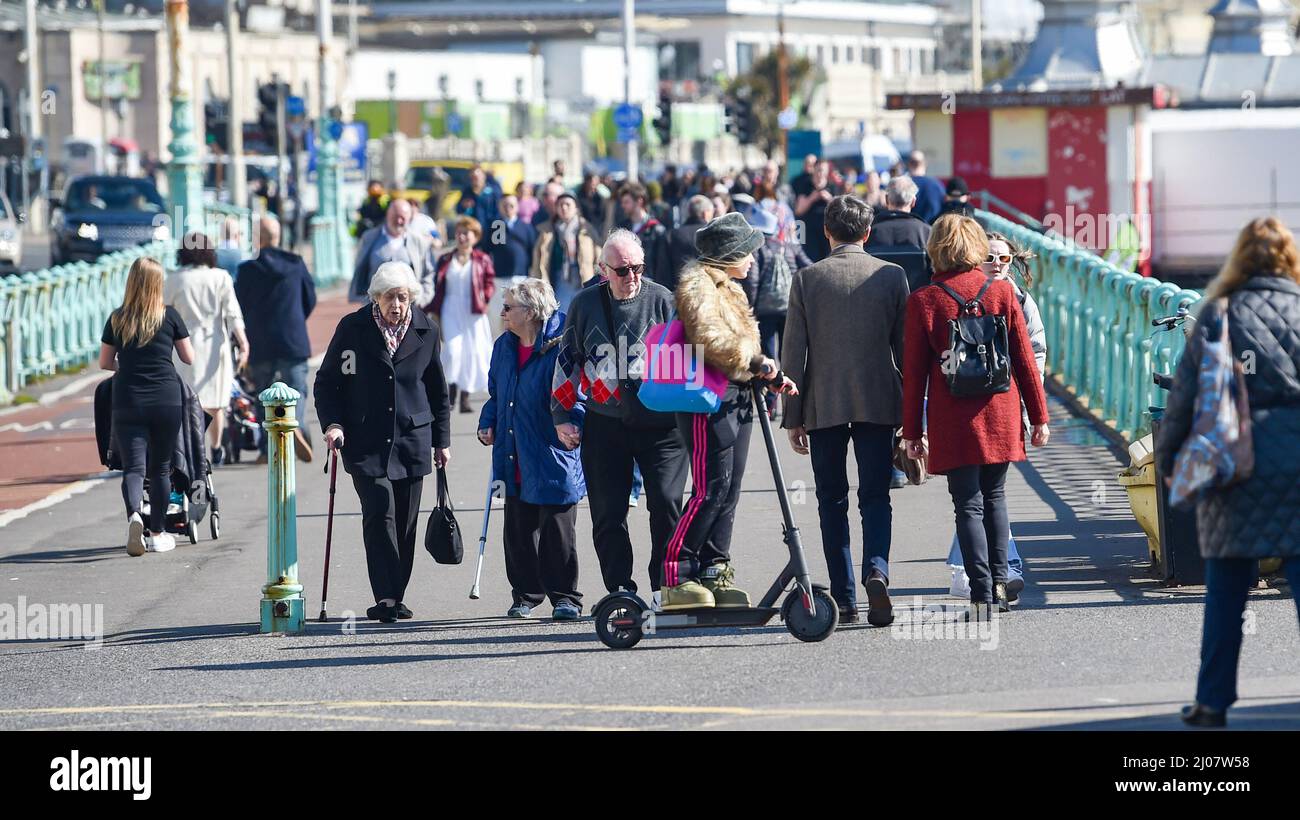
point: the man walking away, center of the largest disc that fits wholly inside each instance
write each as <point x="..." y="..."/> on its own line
<point x="512" y="241"/>
<point x="844" y="340"/>
<point x="898" y="235"/>
<point x="956" y="199"/>
<point x="930" y="192"/>
<point x="276" y="294"/>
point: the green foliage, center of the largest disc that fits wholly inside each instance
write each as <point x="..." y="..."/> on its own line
<point x="761" y="85"/>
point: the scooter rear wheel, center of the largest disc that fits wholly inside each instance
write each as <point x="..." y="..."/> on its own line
<point x="806" y="627"/>
<point x="618" y="622"/>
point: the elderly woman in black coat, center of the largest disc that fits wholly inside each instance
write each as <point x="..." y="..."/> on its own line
<point x="1256" y="518"/>
<point x="381" y="397"/>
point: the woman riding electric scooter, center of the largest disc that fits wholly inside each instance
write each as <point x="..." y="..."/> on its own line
<point x="717" y="320"/>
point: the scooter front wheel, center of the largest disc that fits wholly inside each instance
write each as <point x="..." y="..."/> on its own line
<point x="618" y="622"/>
<point x="805" y="626"/>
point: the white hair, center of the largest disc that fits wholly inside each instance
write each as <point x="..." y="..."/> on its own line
<point x="901" y="192"/>
<point x="392" y="275"/>
<point x="536" y="297"/>
<point x="621" y="236"/>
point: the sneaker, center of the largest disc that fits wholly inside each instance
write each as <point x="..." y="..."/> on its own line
<point x="162" y="542"/>
<point x="717" y="580"/>
<point x="960" y="586"/>
<point x="566" y="611"/>
<point x="686" y="595"/>
<point x="898" y="480"/>
<point x="1015" y="585"/>
<point x="880" y="610"/>
<point x="519" y="610"/>
<point x="301" y="445"/>
<point x="135" y="535"/>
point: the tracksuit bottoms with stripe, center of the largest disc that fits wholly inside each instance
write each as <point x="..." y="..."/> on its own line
<point x="717" y="446"/>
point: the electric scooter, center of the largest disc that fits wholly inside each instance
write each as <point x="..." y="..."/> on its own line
<point x="809" y="612"/>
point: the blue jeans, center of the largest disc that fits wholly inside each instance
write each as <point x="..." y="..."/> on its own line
<point x="873" y="450"/>
<point x="1013" y="555"/>
<point x="293" y="372"/>
<point x="1227" y="581"/>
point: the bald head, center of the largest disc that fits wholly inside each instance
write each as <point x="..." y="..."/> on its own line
<point x="268" y="232"/>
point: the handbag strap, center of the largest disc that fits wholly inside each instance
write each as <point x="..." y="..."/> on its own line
<point x="444" y="498"/>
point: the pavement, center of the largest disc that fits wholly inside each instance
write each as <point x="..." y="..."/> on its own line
<point x="1096" y="643"/>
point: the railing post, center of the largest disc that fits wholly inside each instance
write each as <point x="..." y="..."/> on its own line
<point x="283" y="606"/>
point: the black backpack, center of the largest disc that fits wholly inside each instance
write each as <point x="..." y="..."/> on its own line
<point x="978" y="360"/>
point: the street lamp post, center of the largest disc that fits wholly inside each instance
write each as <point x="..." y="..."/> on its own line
<point x="235" y="110"/>
<point x="35" y="214"/>
<point x="328" y="228"/>
<point x="629" y="40"/>
<point x="184" y="188"/>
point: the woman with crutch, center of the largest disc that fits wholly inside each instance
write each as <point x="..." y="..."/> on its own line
<point x="381" y="397"/>
<point x="542" y="478"/>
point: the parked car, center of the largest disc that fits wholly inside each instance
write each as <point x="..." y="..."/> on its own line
<point x="102" y="214"/>
<point x="11" y="237"/>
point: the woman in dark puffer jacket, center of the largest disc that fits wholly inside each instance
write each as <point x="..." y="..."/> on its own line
<point x="1240" y="524"/>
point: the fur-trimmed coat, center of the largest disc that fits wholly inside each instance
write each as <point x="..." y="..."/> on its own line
<point x="715" y="314"/>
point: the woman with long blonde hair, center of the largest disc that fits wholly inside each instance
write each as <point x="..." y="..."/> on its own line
<point x="137" y="344"/>
<point x="1258" y="292"/>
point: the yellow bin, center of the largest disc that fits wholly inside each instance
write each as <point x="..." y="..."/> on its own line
<point x="1140" y="481"/>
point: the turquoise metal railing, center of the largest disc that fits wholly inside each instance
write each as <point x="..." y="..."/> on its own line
<point x="52" y="318"/>
<point x="331" y="249"/>
<point x="1100" y="342"/>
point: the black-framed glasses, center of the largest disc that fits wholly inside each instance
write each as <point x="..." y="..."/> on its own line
<point x="626" y="270"/>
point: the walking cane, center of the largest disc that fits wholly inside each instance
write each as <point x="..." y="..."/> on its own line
<point x="329" y="531"/>
<point x="482" y="540"/>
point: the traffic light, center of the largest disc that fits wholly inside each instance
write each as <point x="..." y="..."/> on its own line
<point x="267" y="105"/>
<point x="663" y="123"/>
<point x="216" y="125"/>
<point x="744" y="119"/>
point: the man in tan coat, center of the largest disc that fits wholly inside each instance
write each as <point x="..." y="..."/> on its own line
<point x="844" y="348"/>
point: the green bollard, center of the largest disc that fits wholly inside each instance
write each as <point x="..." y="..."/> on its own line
<point x="283" y="607"/>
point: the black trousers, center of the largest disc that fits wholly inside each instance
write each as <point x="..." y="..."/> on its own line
<point x="542" y="552"/>
<point x="609" y="448"/>
<point x="719" y="449"/>
<point x="146" y="437"/>
<point x="390" y="510"/>
<point x="979" y="500"/>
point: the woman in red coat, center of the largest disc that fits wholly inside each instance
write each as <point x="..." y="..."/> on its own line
<point x="974" y="439"/>
<point x="462" y="286"/>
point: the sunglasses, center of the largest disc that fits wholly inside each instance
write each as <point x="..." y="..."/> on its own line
<point x="626" y="270"/>
<point x="506" y="307"/>
<point x="999" y="259"/>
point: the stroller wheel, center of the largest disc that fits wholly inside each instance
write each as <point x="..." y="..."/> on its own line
<point x="214" y="525"/>
<point x="192" y="532"/>
<point x="810" y="628"/>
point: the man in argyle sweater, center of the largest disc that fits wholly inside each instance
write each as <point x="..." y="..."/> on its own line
<point x="601" y="363"/>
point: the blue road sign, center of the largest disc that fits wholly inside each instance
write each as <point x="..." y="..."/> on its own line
<point x="454" y="123"/>
<point x="628" y="117"/>
<point x="352" y="151"/>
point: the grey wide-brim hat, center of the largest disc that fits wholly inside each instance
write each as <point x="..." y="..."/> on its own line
<point x="727" y="239"/>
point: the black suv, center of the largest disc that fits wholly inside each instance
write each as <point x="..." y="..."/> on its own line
<point x="102" y="214"/>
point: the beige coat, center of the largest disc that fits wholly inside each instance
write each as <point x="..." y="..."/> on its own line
<point x="205" y="299"/>
<point x="715" y="315"/>
<point x="588" y="251"/>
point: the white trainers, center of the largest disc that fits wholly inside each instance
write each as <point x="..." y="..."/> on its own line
<point x="135" y="535"/>
<point x="162" y="542"/>
<point x="960" y="586"/>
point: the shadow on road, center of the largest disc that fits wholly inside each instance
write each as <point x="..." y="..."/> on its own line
<point x="1269" y="717"/>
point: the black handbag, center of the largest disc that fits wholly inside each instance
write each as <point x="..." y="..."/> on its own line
<point x="978" y="359"/>
<point x="635" y="414"/>
<point x="442" y="534"/>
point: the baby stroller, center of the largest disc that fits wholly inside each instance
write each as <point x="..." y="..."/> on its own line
<point x="243" y="430"/>
<point x="192" y="494"/>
